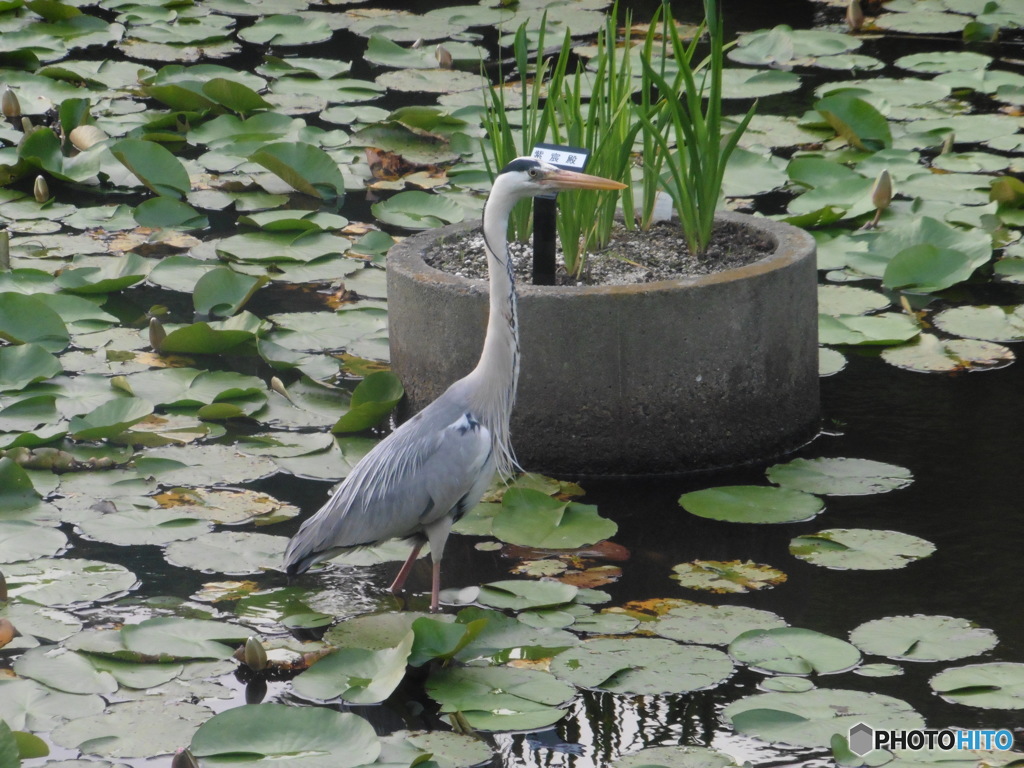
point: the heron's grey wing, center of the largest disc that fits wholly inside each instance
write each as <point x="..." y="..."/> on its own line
<point x="431" y="464"/>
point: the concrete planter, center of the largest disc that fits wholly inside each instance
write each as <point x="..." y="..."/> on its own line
<point x="660" y="378"/>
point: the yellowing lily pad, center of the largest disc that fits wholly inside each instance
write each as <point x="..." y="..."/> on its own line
<point x="731" y="576"/>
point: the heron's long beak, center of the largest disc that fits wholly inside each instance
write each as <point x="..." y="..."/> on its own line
<point x="572" y="180"/>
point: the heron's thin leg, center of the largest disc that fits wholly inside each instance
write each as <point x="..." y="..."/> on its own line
<point x="435" y="588"/>
<point x="403" y="574"/>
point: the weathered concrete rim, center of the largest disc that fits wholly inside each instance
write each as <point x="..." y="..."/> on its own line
<point x="791" y="245"/>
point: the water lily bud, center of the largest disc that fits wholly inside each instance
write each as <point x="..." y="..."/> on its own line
<point x="7" y="632"/>
<point x="881" y="194"/>
<point x="157" y="334"/>
<point x="947" y="143"/>
<point x="183" y="758"/>
<point x="854" y="16"/>
<point x="85" y="136"/>
<point x="5" y="249"/>
<point x="3" y="588"/>
<point x="255" y="656"/>
<point x="26" y="125"/>
<point x="41" y="190"/>
<point x="444" y="58"/>
<point x="9" y="104"/>
<point x="418" y="43"/>
<point x="278" y="386"/>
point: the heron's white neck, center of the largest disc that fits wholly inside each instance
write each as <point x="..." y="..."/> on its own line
<point x="498" y="370"/>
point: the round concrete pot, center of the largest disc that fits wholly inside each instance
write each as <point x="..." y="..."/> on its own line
<point x="658" y="378"/>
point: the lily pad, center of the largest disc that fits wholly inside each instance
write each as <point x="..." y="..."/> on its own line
<point x="500" y="698"/>
<point x="532" y="518"/>
<point x="840" y="476"/>
<point x="356" y="675"/>
<point x="228" y="552"/>
<point x="886" y="328"/>
<point x="26" y="704"/>
<point x="752" y="504"/>
<point x="996" y="685"/>
<point x="645" y="666"/>
<point x="64" y="670"/>
<point x="993" y="323"/>
<point x="25" y="541"/>
<point x="674" y="757"/>
<point x="27" y="319"/>
<point x="923" y="638"/>
<point x="522" y="595"/>
<point x="860" y="549"/>
<point x="810" y="718"/>
<point x="930" y="354"/>
<point x="692" y="622"/>
<point x="133" y="729"/>
<point x="794" y="651"/>
<point x="66" y="580"/>
<point x="26" y="364"/>
<point x="733" y="577"/>
<point x="223" y="292"/>
<point x="372" y="400"/>
<point x="176" y="638"/>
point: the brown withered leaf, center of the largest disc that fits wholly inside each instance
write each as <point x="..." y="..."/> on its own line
<point x="591" y="578"/>
<point x="602" y="550"/>
<point x="389" y="166"/>
<point x="7" y="632"/>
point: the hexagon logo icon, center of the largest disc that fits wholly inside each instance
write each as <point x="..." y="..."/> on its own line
<point x="861" y="738"/>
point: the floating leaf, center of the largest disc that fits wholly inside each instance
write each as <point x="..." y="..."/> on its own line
<point x="500" y="698"/>
<point x="110" y="419"/>
<point x="925" y="268"/>
<point x="31" y="705"/>
<point x="26" y="364"/>
<point x="692" y="622"/>
<point x="418" y="210"/>
<point x="996" y="685"/>
<point x="173" y="637"/>
<point x="923" y="638"/>
<point x="860" y="549"/>
<point x="727" y="576"/>
<point x="840" y="476"/>
<point x="27" y="319"/>
<point x="223" y="292"/>
<point x="531" y="518"/>
<point x="63" y="670"/>
<point x="305" y="167"/>
<point x="930" y="354"/>
<point x="859" y="123"/>
<point x="21" y="540"/>
<point x="133" y="729"/>
<point x="372" y="399"/>
<point x="154" y="166"/>
<point x="752" y="504"/>
<point x="169" y="212"/>
<point x="793" y="651"/>
<point x="66" y="580"/>
<point x="520" y="595"/>
<point x="644" y="666"/>
<point x="356" y="675"/>
<point x="228" y="552"/>
<point x="674" y="757"/>
<point x="983" y="322"/>
<point x="839" y="300"/>
<point x="887" y="328"/>
<point x="810" y="718"/>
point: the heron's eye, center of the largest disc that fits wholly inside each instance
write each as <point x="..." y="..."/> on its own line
<point x="534" y="173"/>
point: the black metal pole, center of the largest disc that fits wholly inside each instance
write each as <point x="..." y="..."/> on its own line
<point x="544" y="241"/>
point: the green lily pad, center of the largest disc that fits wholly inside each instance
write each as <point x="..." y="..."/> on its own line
<point x="175" y="638"/>
<point x="133" y="729"/>
<point x="26" y="364"/>
<point x="930" y="354"/>
<point x="63" y="670"/>
<point x="732" y="577"/>
<point x="286" y="30"/>
<point x="810" y="718"/>
<point x="992" y="323"/>
<point x="886" y="328"/>
<point x="110" y="419"/>
<point x="111" y="275"/>
<point x="66" y="580"/>
<point x="212" y="338"/>
<point x="503" y="637"/>
<point x="154" y="166"/>
<point x="448" y="749"/>
<point x="839" y="300"/>
<point x="303" y="166"/>
<point x="926" y="268"/>
<point x="879" y="670"/>
<point x="674" y="757"/>
<point x="645" y="666"/>
<point x="223" y="292"/>
<point x="500" y="698"/>
<point x="372" y="400"/>
<point x="228" y="552"/>
<point x="522" y="595"/>
<point x="996" y="685"/>
<point x="534" y="519"/>
<point x="752" y="504"/>
<point x="26" y="704"/>
<point x="143" y="526"/>
<point x="27" y="319"/>
<point x="793" y="651"/>
<point x="418" y="210"/>
<point x="692" y="622"/>
<point x="860" y="549"/>
<point x="856" y="121"/>
<point x="356" y="675"/>
<point x="21" y="540"/>
<point x="923" y="638"/>
<point x="840" y="476"/>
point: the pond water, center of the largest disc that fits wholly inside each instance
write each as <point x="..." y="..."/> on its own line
<point x="955" y="434"/>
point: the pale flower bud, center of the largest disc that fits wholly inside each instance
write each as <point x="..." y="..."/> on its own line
<point x="41" y="190"/>
<point x="444" y="58"/>
<point x="255" y="655"/>
<point x="881" y="194"/>
<point x="854" y="16"/>
<point x="947" y="143"/>
<point x="9" y="104"/>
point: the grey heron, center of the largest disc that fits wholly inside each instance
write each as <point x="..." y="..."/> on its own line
<point x="426" y="474"/>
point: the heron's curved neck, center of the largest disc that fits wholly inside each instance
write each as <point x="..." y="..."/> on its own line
<point x="498" y="369"/>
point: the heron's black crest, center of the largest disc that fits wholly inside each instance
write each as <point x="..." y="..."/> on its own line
<point x="520" y="165"/>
